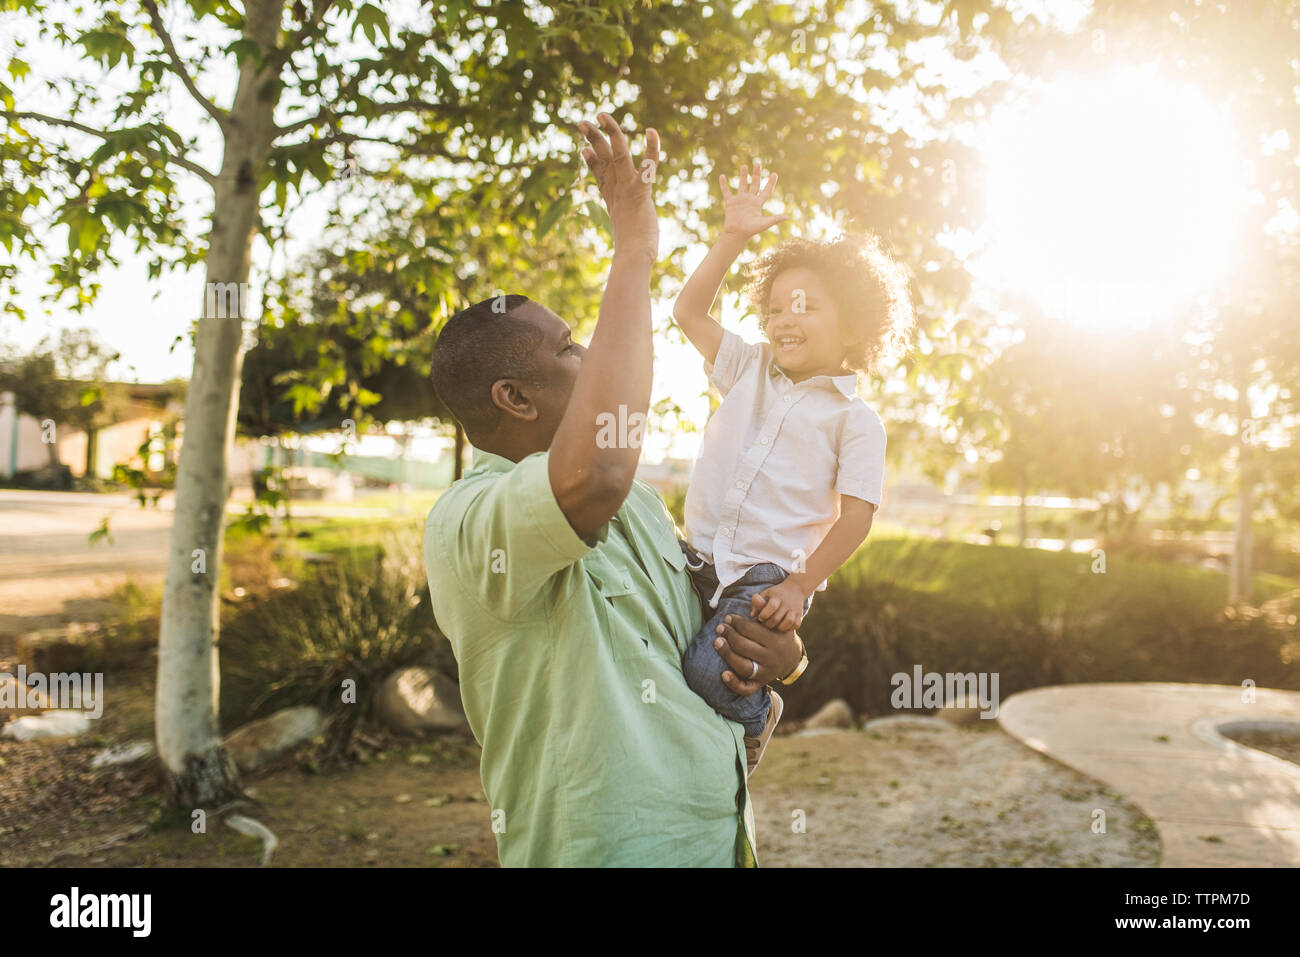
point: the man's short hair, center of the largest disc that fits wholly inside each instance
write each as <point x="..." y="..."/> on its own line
<point x="478" y="346"/>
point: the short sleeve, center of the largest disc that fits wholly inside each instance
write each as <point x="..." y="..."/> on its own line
<point x="861" y="466"/>
<point x="735" y="357"/>
<point x="505" y="536"/>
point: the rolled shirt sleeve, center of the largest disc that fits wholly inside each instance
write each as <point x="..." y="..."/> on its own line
<point x="860" y="470"/>
<point x="510" y="539"/>
<point x="735" y="357"/>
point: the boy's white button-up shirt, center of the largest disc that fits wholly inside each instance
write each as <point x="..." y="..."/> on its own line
<point x="775" y="457"/>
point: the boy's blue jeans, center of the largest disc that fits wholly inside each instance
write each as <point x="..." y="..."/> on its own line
<point x="702" y="665"/>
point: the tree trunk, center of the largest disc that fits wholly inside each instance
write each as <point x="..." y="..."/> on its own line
<point x="403" y="443"/>
<point x="458" y="454"/>
<point x="289" y="459"/>
<point x="1239" y="575"/>
<point x="197" y="771"/>
<point x="92" y="448"/>
<point x="1024" y="511"/>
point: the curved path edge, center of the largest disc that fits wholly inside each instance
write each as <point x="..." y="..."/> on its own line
<point x="1214" y="802"/>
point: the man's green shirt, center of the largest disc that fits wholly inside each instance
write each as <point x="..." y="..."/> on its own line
<point x="595" y="751"/>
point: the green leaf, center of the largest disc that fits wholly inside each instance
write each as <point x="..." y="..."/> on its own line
<point x="553" y="215"/>
<point x="371" y="21"/>
<point x="600" y="217"/>
<point x="244" y="49"/>
<point x="303" y="397"/>
<point x="92" y="228"/>
<point x="102" y="533"/>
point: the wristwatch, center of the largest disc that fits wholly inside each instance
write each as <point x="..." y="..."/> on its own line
<point x="799" y="669"/>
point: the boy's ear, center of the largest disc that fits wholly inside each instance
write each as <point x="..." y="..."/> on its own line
<point x="509" y="397"/>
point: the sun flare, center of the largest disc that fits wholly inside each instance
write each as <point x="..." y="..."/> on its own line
<point x="1113" y="201"/>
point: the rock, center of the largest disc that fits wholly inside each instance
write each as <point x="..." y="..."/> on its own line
<point x="413" y="700"/>
<point x="833" y="714"/>
<point x="75" y="647"/>
<point x="260" y="742"/>
<point x="123" y="754"/>
<point x="964" y="709"/>
<point x="51" y="724"/>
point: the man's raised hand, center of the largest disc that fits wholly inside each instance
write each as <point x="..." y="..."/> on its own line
<point x="628" y="192"/>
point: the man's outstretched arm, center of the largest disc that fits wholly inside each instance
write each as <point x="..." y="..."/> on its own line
<point x="590" y="482"/>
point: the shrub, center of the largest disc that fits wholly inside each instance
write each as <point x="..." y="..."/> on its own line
<point x="1034" y="617"/>
<point x="359" y="619"/>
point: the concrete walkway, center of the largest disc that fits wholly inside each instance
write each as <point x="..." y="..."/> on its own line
<point x="1214" y="802"/>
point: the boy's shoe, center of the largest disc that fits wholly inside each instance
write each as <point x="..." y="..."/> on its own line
<point x="754" y="747"/>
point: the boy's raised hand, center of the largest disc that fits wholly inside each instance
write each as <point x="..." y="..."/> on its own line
<point x="744" y="208"/>
<point x="627" y="191"/>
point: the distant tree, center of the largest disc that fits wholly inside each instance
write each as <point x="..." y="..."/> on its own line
<point x="1245" y="381"/>
<point x="66" y="381"/>
<point x="1077" y="417"/>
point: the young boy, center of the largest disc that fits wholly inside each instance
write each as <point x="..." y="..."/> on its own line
<point x="791" y="466"/>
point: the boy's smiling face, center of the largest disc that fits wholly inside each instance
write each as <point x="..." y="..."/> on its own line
<point x="803" y="325"/>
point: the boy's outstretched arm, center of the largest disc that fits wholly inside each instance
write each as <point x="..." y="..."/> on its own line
<point x="781" y="606"/>
<point x="744" y="219"/>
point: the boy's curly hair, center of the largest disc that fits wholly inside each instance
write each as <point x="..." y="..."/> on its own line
<point x="869" y="288"/>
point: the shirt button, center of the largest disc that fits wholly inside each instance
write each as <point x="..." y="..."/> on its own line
<point x="724" y="531"/>
<point x="740" y="485"/>
<point x="786" y="397"/>
<point x="765" y="440"/>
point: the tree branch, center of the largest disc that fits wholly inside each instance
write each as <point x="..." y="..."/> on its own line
<point x="178" y="65"/>
<point x="415" y="149"/>
<point x="381" y="109"/>
<point x="157" y="154"/>
<point x="307" y="29"/>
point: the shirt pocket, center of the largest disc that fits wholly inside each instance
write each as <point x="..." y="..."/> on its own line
<point x="678" y="597"/>
<point x="620" y="609"/>
<point x="671" y="550"/>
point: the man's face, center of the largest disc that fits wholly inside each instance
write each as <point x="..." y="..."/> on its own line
<point x="556" y="361"/>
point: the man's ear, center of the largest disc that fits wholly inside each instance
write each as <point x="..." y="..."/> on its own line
<point x="509" y="396"/>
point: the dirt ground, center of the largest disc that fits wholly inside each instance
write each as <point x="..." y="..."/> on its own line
<point x="907" y="796"/>
<point x="419" y="806"/>
<point x="937" y="796"/>
<point x="1280" y="744"/>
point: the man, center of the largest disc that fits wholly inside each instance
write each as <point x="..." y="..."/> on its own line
<point x="561" y="585"/>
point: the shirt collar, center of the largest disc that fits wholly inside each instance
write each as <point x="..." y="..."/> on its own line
<point x="847" y="384"/>
<point x="484" y="461"/>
